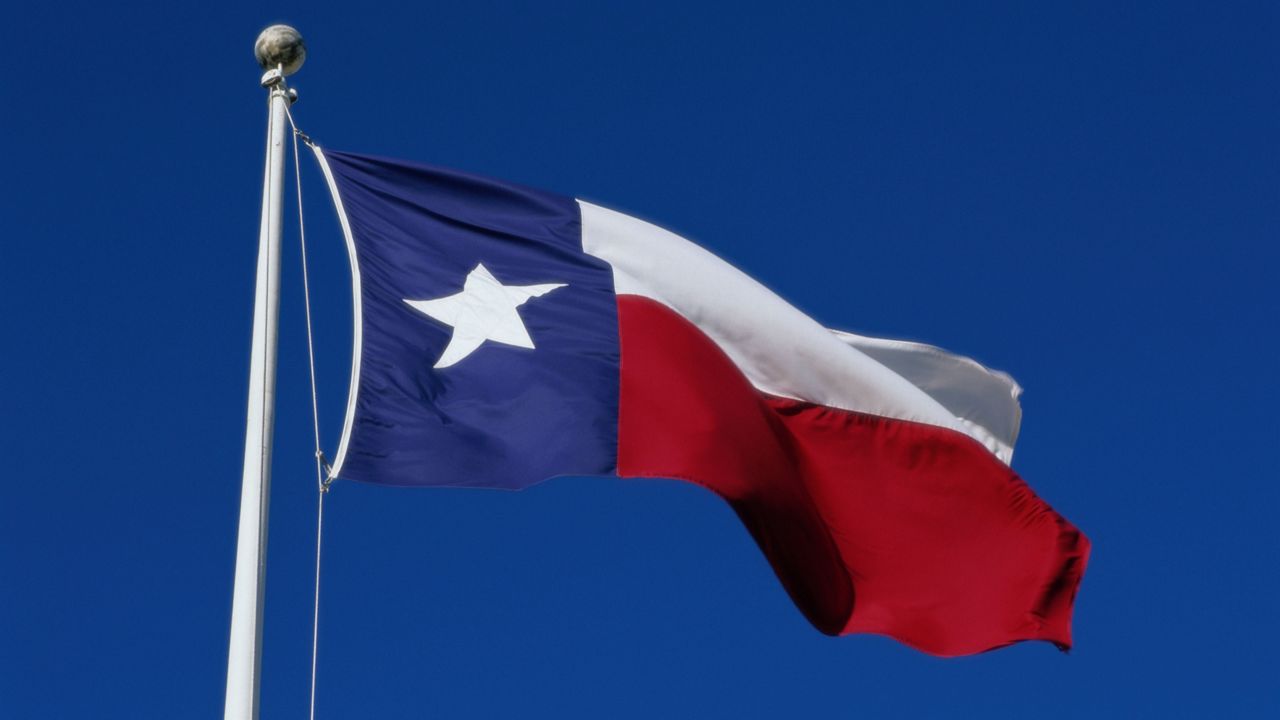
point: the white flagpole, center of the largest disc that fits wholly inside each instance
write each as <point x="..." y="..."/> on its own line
<point x="280" y="51"/>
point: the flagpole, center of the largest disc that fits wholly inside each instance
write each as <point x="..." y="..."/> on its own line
<point x="280" y="51"/>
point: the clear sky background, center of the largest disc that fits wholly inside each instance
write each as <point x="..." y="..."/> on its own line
<point x="1082" y="194"/>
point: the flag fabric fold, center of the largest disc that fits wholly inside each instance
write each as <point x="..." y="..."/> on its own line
<point x="506" y="335"/>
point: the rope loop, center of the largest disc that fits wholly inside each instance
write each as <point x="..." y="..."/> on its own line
<point x="305" y="137"/>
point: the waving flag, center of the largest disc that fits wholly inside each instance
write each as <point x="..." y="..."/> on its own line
<point x="505" y="335"/>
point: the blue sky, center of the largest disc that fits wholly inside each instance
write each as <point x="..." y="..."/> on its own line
<point x="1083" y="195"/>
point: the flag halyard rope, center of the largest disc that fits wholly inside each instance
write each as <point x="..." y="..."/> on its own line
<point x="324" y="476"/>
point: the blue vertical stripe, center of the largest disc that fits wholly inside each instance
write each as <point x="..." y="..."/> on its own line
<point x="504" y="416"/>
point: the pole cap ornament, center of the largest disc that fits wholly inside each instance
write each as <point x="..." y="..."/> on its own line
<point x="280" y="46"/>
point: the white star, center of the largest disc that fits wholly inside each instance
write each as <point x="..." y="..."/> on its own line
<point x="484" y="310"/>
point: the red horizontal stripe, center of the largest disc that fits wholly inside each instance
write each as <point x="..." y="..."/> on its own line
<point x="872" y="524"/>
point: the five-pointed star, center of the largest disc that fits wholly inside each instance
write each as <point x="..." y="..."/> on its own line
<point x="484" y="310"/>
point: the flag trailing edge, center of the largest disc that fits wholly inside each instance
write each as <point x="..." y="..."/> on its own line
<point x="505" y="335"/>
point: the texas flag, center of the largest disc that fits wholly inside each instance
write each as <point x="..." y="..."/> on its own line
<point x="505" y="335"/>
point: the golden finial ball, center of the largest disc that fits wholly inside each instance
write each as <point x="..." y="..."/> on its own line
<point x="280" y="46"/>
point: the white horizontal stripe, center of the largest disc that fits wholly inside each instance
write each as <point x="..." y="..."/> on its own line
<point x="984" y="398"/>
<point x="786" y="353"/>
